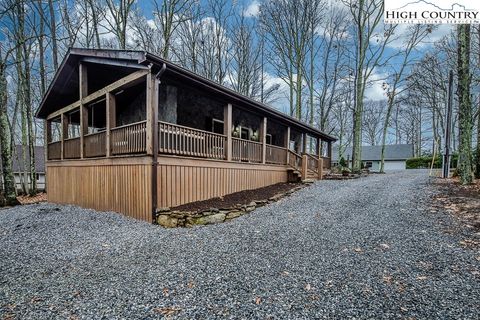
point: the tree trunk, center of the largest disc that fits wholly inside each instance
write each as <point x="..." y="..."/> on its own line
<point x="465" y="106"/>
<point x="5" y="144"/>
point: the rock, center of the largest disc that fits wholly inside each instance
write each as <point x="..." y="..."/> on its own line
<point x="252" y="204"/>
<point x="276" y="197"/>
<point x="234" y="214"/>
<point x="210" y="219"/>
<point x="214" y="210"/>
<point x="250" y="208"/>
<point x="167" y="221"/>
<point x="164" y="209"/>
<point x="261" y="203"/>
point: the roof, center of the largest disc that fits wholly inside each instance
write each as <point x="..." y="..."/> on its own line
<point x="63" y="89"/>
<point x="17" y="161"/>
<point x="373" y="153"/>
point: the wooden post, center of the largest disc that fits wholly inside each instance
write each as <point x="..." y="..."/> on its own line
<point x="64" y="120"/>
<point x="263" y="135"/>
<point x="304" y="166"/>
<point x="304" y="142"/>
<point x="227" y="130"/>
<point x="150" y="114"/>
<point x="287" y="144"/>
<point x="48" y="136"/>
<point x="329" y="154"/>
<point x="110" y="109"/>
<point x="83" y="92"/>
<point x="320" y="168"/>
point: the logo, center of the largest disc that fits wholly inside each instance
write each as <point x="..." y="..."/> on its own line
<point x="432" y="11"/>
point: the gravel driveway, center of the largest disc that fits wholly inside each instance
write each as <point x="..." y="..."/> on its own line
<point x="366" y="248"/>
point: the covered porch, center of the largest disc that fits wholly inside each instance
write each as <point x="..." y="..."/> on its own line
<point x="138" y="115"/>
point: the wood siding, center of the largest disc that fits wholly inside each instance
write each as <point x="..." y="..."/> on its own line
<point x="183" y="180"/>
<point x="120" y="185"/>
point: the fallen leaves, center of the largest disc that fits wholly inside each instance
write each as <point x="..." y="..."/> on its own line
<point x="166" y="292"/>
<point x="384" y="246"/>
<point x="258" y="300"/>
<point x="167" y="311"/>
<point x="469" y="243"/>
<point x="308" y="287"/>
<point x="190" y="284"/>
<point x="421" y="278"/>
<point x="358" y="250"/>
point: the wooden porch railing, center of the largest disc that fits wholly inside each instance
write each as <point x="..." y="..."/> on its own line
<point x="71" y="148"/>
<point x="95" y="144"/>
<point x="129" y="139"/>
<point x="276" y="155"/>
<point x="54" y="150"/>
<point x="294" y="160"/>
<point x="312" y="163"/>
<point x="326" y="163"/>
<point x="180" y="140"/>
<point x="246" y="150"/>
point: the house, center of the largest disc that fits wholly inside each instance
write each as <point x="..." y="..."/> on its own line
<point x="130" y="132"/>
<point x="396" y="156"/>
<point x="20" y="169"/>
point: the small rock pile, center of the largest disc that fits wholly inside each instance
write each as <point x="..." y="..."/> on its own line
<point x="175" y="218"/>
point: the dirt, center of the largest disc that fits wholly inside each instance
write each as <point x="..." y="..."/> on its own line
<point x="462" y="201"/>
<point x="242" y="198"/>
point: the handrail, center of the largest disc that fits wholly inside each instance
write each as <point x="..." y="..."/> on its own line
<point x="312" y="162"/>
<point x="128" y="139"/>
<point x="186" y="141"/>
<point x="128" y="125"/>
<point x="275" y="154"/>
<point x="94" y="133"/>
<point x="294" y="160"/>
<point x="246" y="150"/>
<point x="193" y="129"/>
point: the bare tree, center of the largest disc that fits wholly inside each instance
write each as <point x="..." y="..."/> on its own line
<point x="372" y="122"/>
<point x="416" y="34"/>
<point x="370" y="44"/>
<point x="119" y="11"/>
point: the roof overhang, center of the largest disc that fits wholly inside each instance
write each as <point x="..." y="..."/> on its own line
<point x="67" y="77"/>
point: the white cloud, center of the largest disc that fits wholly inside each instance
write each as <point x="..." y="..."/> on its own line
<point x="375" y="89"/>
<point x="253" y="9"/>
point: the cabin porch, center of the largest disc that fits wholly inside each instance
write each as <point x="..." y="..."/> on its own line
<point x="189" y="124"/>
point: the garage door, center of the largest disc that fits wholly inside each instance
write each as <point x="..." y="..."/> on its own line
<point x="394" y="165"/>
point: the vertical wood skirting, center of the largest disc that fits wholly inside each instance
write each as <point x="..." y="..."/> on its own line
<point x="263" y="134"/>
<point x="124" y="188"/>
<point x="227" y="130"/>
<point x="180" y="183"/>
<point x="83" y="92"/>
<point x="110" y="109"/>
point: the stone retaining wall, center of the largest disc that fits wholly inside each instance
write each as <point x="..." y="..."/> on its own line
<point x="174" y="218"/>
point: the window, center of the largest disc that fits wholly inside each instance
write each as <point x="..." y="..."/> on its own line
<point x="245" y="133"/>
<point x="268" y="139"/>
<point x="217" y="126"/>
<point x="368" y="164"/>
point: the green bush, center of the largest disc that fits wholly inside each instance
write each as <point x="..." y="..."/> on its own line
<point x="342" y="162"/>
<point x="425" y="162"/>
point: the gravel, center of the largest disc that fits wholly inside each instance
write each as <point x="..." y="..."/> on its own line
<point x="365" y="248"/>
